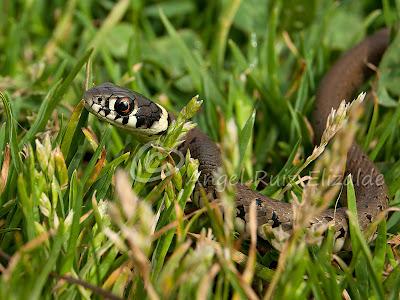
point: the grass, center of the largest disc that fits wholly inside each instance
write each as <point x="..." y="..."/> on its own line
<point x="83" y="216"/>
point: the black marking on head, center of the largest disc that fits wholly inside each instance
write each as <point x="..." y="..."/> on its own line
<point x="242" y="213"/>
<point x="147" y="115"/>
<point x="275" y="219"/>
<point x="107" y="103"/>
<point x="342" y="233"/>
<point x="169" y="119"/>
<point x="117" y="116"/>
<point x="125" y="120"/>
<point x="141" y="121"/>
<point x="258" y="202"/>
<point x="106" y="111"/>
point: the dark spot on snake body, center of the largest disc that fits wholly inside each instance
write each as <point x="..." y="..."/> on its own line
<point x="275" y="219"/>
<point x="288" y="227"/>
<point x="125" y="120"/>
<point x="241" y="213"/>
<point x="328" y="218"/>
<point x="258" y="202"/>
<point x="369" y="217"/>
<point x="342" y="233"/>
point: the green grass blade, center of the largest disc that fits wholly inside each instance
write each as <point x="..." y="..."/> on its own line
<point x="75" y="196"/>
<point x="190" y="61"/>
<point x="359" y="243"/>
<point x="50" y="264"/>
<point x="11" y="125"/>
<point x="244" y="139"/>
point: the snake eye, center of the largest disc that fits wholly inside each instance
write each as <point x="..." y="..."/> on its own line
<point x="123" y="106"/>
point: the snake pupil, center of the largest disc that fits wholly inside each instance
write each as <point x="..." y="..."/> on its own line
<point x="123" y="106"/>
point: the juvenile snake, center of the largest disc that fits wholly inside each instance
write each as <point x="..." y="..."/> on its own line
<point x="134" y="112"/>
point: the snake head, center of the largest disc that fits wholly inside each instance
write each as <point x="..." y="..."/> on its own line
<point x="127" y="109"/>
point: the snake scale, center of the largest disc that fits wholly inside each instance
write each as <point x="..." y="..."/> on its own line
<point x="133" y="111"/>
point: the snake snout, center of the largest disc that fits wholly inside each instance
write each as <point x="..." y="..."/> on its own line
<point x="88" y="97"/>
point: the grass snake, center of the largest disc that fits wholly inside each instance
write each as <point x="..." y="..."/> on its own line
<point x="133" y="111"/>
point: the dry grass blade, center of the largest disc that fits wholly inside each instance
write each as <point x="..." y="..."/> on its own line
<point x="135" y="221"/>
<point x="252" y="224"/>
<point x="4" y="168"/>
<point x="127" y="198"/>
<point x="95" y="289"/>
<point x="207" y="281"/>
<point x="161" y="231"/>
<point x="343" y="124"/>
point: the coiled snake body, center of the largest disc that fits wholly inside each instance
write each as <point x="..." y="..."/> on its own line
<point x="132" y="111"/>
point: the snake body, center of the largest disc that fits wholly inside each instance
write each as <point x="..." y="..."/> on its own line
<point x="133" y="111"/>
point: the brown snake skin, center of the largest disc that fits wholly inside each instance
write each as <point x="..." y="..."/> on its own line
<point x="341" y="82"/>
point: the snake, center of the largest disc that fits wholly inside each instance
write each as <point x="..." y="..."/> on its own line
<point x="139" y="115"/>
